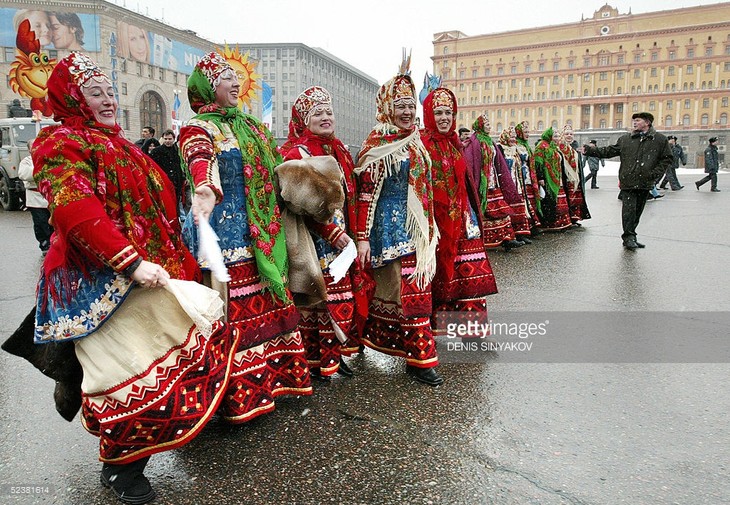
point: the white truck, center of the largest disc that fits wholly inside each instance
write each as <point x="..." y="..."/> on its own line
<point x="14" y="136"/>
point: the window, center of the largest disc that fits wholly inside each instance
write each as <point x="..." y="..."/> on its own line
<point x="528" y="81"/>
<point x="637" y="58"/>
<point x="540" y="81"/>
<point x="637" y="73"/>
<point x="541" y="67"/>
<point x="570" y="110"/>
<point x="690" y="69"/>
<point x="687" y="104"/>
<point x="487" y="72"/>
<point x="726" y="66"/>
<point x="474" y="73"/>
<point x="556" y="65"/>
<point x="500" y="84"/>
<point x="603" y="108"/>
<point x="602" y="124"/>
<point x="724" y="101"/>
<point x="708" y="51"/>
<point x="556" y="80"/>
<point x="473" y="86"/>
<point x="668" y="121"/>
<point x="652" y="72"/>
<point x="672" y="55"/>
<point x="635" y="107"/>
<point x="461" y="74"/>
<point x="619" y="124"/>
<point x="461" y="87"/>
<point x="708" y="68"/>
<point x="654" y="56"/>
<point x="528" y="67"/>
<point x="570" y="79"/>
<point x="603" y="76"/>
<point x="587" y="61"/>
<point x="705" y="103"/>
<point x="652" y="105"/>
<point x="571" y="64"/>
<point x="620" y="59"/>
<point x="619" y="74"/>
<point x="690" y="53"/>
<point x="513" y="69"/>
<point x="670" y="70"/>
<point x="723" y="118"/>
<point x="669" y="105"/>
<point x="618" y="90"/>
<point x="124" y="88"/>
<point x="704" y="120"/>
<point x="500" y="71"/>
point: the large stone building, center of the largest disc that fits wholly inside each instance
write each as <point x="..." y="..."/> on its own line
<point x="149" y="63"/>
<point x="597" y="72"/>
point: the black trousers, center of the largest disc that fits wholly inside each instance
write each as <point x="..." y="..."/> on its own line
<point x="592" y="177"/>
<point x="632" y="206"/>
<point x="41" y="228"/>
<point x="709" y="177"/>
<point x="670" y="176"/>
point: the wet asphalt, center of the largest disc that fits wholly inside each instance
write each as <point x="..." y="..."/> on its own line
<point x="497" y="432"/>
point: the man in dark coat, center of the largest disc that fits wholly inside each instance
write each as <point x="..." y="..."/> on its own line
<point x="593" y="163"/>
<point x="712" y="165"/>
<point x="645" y="155"/>
<point x="671" y="175"/>
<point x="167" y="156"/>
<point x="148" y="141"/>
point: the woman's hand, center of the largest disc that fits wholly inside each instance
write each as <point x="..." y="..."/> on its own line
<point x="203" y="203"/>
<point x="150" y="275"/>
<point x="363" y="252"/>
<point x="342" y="241"/>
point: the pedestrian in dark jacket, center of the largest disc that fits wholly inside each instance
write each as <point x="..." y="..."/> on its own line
<point x="671" y="174"/>
<point x="593" y="163"/>
<point x="712" y="165"/>
<point x="167" y="156"/>
<point x="645" y="155"/>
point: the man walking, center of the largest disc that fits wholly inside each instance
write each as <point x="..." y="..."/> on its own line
<point x="712" y="165"/>
<point x="592" y="162"/>
<point x="645" y="155"/>
<point x="167" y="157"/>
<point x="671" y="175"/>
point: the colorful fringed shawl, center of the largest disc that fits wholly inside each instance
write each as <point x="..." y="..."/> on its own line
<point x="381" y="155"/>
<point x="487" y="146"/>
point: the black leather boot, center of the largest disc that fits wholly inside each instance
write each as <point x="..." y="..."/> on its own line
<point x="128" y="482"/>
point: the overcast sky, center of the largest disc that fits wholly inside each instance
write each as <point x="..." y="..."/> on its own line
<point x="369" y="34"/>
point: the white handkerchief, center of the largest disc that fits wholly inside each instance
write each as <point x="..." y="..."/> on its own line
<point x="340" y="265"/>
<point x="210" y="252"/>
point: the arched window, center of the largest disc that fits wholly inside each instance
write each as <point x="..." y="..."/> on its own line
<point x="723" y="118"/>
<point x="674" y="86"/>
<point x="151" y="112"/>
<point x="668" y="121"/>
<point x="684" y="87"/>
<point x="704" y="84"/>
<point x="691" y="86"/>
<point x="685" y="120"/>
<point x="705" y="120"/>
<point x="541" y="125"/>
<point x="499" y="127"/>
<point x="598" y="92"/>
<point x="605" y="91"/>
<point x="554" y="124"/>
<point x="666" y="88"/>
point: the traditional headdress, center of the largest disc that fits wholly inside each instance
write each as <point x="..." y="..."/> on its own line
<point x="64" y="86"/>
<point x="307" y="103"/>
<point x="204" y="80"/>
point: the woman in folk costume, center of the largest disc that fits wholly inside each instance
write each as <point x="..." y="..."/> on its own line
<point x="231" y="157"/>
<point x="114" y="280"/>
<point x="464" y="276"/>
<point x="549" y="168"/>
<point x="326" y="324"/>
<point x="396" y="232"/>
<point x="572" y="179"/>
<point x="507" y="144"/>
<point x="489" y="172"/>
<point x="531" y="186"/>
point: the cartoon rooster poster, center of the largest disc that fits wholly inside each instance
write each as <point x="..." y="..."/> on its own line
<point x="30" y="71"/>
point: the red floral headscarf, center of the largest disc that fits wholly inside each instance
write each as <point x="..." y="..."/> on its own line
<point x="89" y="172"/>
<point x="449" y="178"/>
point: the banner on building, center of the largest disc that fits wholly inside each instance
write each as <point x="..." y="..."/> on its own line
<point x="267" y="107"/>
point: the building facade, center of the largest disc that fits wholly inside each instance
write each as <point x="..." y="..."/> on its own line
<point x="597" y="72"/>
<point x="149" y="63"/>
